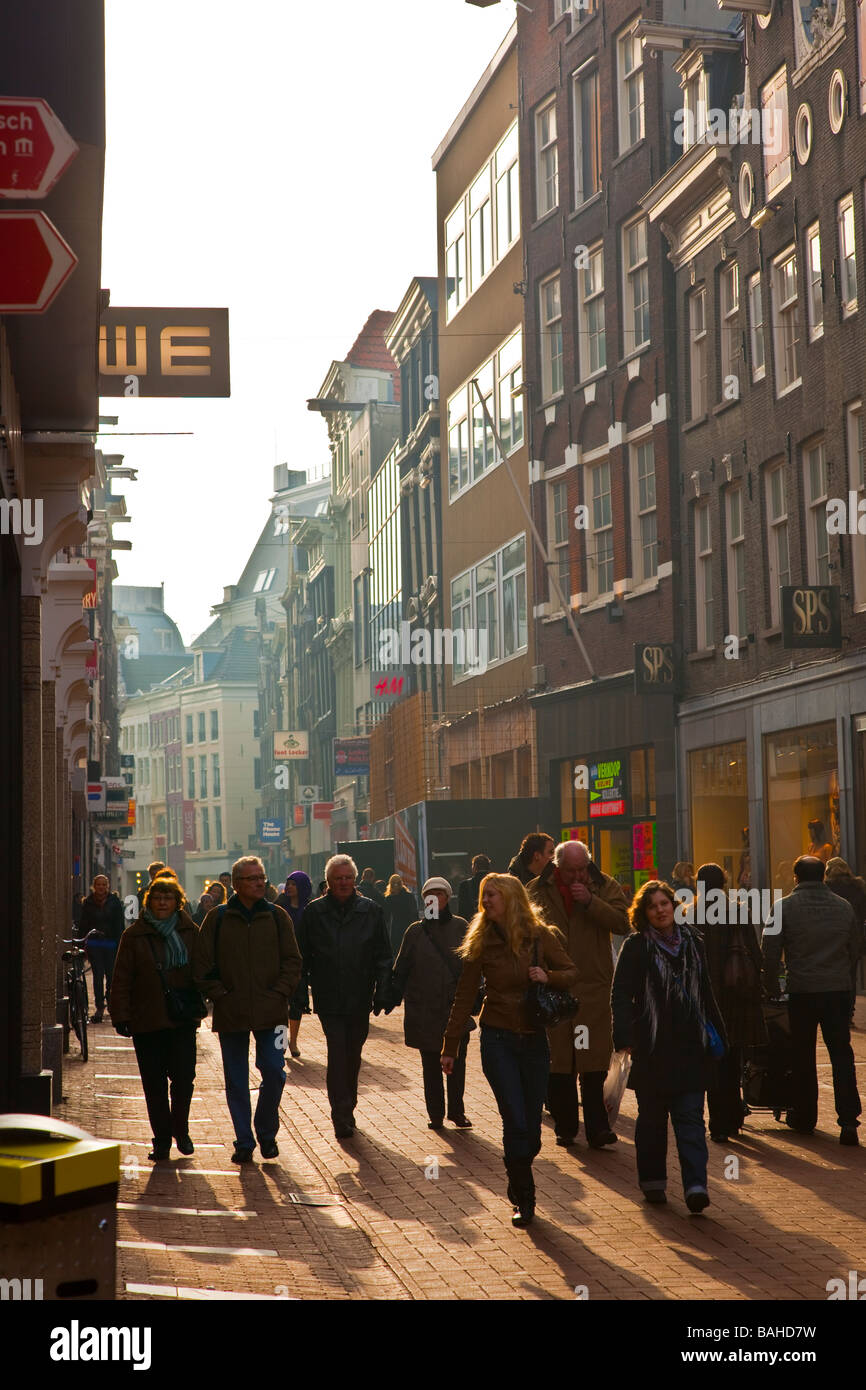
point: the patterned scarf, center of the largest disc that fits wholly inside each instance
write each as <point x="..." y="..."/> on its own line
<point x="175" y="951"/>
<point x="664" y="986"/>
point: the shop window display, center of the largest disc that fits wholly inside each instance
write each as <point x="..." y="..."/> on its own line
<point x="802" y="797"/>
<point x="719" y="801"/>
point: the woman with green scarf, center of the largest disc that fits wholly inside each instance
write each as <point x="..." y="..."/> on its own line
<point x="153" y="956"/>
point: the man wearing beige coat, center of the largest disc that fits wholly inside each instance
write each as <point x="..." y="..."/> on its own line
<point x="589" y="908"/>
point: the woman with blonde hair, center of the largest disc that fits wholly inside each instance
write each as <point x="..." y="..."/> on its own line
<point x="511" y="946"/>
<point x="401" y="910"/>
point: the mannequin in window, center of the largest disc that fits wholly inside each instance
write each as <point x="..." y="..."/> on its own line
<point x="819" y="844"/>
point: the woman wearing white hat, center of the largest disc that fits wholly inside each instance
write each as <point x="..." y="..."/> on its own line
<point x="425" y="978"/>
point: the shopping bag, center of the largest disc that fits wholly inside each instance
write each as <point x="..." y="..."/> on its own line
<point x="615" y="1083"/>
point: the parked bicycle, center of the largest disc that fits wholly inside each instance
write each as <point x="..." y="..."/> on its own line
<point x="76" y="995"/>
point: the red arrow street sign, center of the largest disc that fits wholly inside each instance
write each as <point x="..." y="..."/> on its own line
<point x="34" y="148"/>
<point x="34" y="262"/>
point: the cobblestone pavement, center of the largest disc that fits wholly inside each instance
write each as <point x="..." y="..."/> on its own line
<point x="403" y="1213"/>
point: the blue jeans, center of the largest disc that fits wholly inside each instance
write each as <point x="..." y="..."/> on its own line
<point x="686" y="1110"/>
<point x="517" y="1066"/>
<point x="271" y="1062"/>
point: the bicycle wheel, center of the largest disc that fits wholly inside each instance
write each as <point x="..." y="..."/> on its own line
<point x="80" y="1016"/>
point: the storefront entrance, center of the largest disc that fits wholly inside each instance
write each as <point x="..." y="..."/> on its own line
<point x="609" y="802"/>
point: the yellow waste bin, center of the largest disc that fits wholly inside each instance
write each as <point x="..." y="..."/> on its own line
<point x="58" y="1210"/>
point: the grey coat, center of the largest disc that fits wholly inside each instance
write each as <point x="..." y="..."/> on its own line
<point x="820" y="938"/>
<point x="425" y="983"/>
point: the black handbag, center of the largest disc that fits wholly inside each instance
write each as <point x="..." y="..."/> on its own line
<point x="184" y="1003"/>
<point x="546" y="1007"/>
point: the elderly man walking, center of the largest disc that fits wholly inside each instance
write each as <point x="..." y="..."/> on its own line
<point x="820" y="937"/>
<point x="347" y="960"/>
<point x="246" y="959"/>
<point x="589" y="908"/>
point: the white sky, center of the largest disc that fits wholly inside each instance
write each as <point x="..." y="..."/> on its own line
<point x="273" y="157"/>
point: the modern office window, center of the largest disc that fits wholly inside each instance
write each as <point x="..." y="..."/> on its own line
<point x="455" y="260"/>
<point x="703" y="577"/>
<point x="458" y="444"/>
<point x="600" y="535"/>
<point x="471" y="445"/>
<point x="218" y="827"/>
<point x="215" y="774"/>
<point x="205" y="828"/>
<point x="190" y="778"/>
<point x="645" y="549"/>
<point x="511" y="392"/>
<point x="737" y="619"/>
<point x="202" y="776"/>
<point x="729" y="305"/>
<point x="778" y="554"/>
<point x="587" y="136"/>
<point x="483" y="444"/>
<point x="636" y="319"/>
<point x="756" y="327"/>
<point x="189" y="727"/>
<point x="488" y="604"/>
<point x="507" y="177"/>
<point x="551" y="338"/>
<point x="214" y="724"/>
<point x="480" y="228"/>
<point x="777" y="145"/>
<point x="546" y="159"/>
<point x="630" y="89"/>
<point x="592" y="348"/>
<point x="847" y="256"/>
<point x="698" y="352"/>
<point x="559" y="534"/>
<point x="786" y="328"/>
<point x="201" y="727"/>
<point x="815" y="492"/>
<point x="815" y="282"/>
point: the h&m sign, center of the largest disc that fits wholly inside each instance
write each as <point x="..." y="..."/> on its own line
<point x="164" y="352"/>
<point x="655" y="668"/>
<point x="811" y="615"/>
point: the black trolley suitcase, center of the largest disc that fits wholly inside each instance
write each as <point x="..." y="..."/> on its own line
<point x="767" y="1081"/>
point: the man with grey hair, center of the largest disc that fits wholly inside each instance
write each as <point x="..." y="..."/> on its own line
<point x="589" y="908"/>
<point x="346" y="948"/>
<point x="246" y="959"/>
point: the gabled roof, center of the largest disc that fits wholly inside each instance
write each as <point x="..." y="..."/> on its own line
<point x="368" y="349"/>
<point x="240" y="657"/>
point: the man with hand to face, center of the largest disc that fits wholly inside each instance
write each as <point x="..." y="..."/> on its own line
<point x="589" y="908"/>
<point x="344" y="940"/>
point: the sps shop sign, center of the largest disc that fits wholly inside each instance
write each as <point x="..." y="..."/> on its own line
<point x="655" y="668"/>
<point x="811" y="616"/>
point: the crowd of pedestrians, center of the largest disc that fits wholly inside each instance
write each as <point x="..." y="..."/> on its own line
<point x="646" y="988"/>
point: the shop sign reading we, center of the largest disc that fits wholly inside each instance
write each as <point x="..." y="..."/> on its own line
<point x="164" y="352"/>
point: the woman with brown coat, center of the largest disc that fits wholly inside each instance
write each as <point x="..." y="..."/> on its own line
<point x="511" y="946"/>
<point x="154" y="955"/>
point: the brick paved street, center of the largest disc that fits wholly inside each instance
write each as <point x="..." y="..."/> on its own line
<point x="794" y="1218"/>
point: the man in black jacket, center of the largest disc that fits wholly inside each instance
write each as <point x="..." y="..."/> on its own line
<point x="533" y="857"/>
<point x="467" y="893"/>
<point x="343" y="938"/>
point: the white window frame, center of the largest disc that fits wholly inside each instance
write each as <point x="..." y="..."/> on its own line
<point x="697" y="301"/>
<point x="786" y="311"/>
<point x="579" y="79"/>
<point x="546" y="159"/>
<point x="630" y="75"/>
<point x="481" y="251"/>
<point x="600" y="525"/>
<point x="814" y="282"/>
<point x="704" y="597"/>
<point x="634" y="273"/>
<point x="777" y="150"/>
<point x="500" y="174"/>
<point x="735" y="535"/>
<point x="847" y="255"/>
<point x="505" y="371"/>
<point x="455" y="260"/>
<point x="506" y="186"/>
<point x="592" y="342"/>
<point x="644" y="514"/>
<point x="493" y="594"/>
<point x="509" y="378"/>
<point x="550" y="328"/>
<point x="695" y="106"/>
<point x="817" y="537"/>
<point x="756" y="328"/>
<point x="559" y="533"/>
<point x="729" y="323"/>
<point x="778" y="538"/>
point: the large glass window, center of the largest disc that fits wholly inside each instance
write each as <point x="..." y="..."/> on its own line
<point x="801" y="796"/>
<point x="636" y="316"/>
<point x="644" y="528"/>
<point x="592" y="350"/>
<point x="736" y="564"/>
<point x="847" y="257"/>
<point x="719" y="805"/>
<point x="786" y="328"/>
<point x="507" y="193"/>
<point x="815" y="281"/>
<point x="490" y="599"/>
<point x="703" y="577"/>
<point x="601" y="533"/>
<point x="546" y="159"/>
<point x="501" y="383"/>
<point x="480" y="228"/>
<point x="778" y="556"/>
<point x="587" y="137"/>
<point x="756" y="327"/>
<point x="560" y="535"/>
<point x="816" y="488"/>
<point x="511" y="393"/>
<point x="777" y="145"/>
<point x="551" y="338"/>
<point x="631" y="102"/>
<point x="455" y="260"/>
<point x="698" y="352"/>
<point x="729" y="303"/>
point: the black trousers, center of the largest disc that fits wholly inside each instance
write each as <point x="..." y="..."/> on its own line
<point x="346" y="1035"/>
<point x="167" y="1056"/>
<point x="831" y="1011"/>
<point x="724" y="1097"/>
<point x="562" y="1103"/>
<point x="434" y="1089"/>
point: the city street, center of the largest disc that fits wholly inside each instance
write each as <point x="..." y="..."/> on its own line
<point x="369" y="1219"/>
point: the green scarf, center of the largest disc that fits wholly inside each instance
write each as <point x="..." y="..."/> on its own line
<point x="175" y="951"/>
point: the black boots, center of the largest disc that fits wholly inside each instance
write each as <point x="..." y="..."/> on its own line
<point x="521" y="1190"/>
